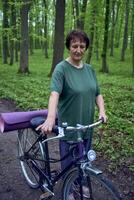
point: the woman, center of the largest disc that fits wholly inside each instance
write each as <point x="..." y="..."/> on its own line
<point x="74" y="91"/>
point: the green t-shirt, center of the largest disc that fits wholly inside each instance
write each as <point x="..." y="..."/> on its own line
<point x="78" y="89"/>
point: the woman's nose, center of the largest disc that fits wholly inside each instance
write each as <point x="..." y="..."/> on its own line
<point x="78" y="49"/>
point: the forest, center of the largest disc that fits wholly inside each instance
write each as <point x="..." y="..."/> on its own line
<point x="29" y="25"/>
<point x="32" y="36"/>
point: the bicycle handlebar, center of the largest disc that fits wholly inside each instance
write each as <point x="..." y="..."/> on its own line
<point x="61" y="130"/>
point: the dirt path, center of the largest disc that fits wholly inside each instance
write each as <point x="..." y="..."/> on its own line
<point x="12" y="183"/>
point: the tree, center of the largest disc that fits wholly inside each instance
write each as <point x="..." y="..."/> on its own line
<point x="112" y="28"/>
<point x="125" y="36"/>
<point x="59" y="34"/>
<point x="5" y="31"/>
<point x="104" y="51"/>
<point x="38" y="26"/>
<point x="98" y="26"/>
<point x="45" y="29"/>
<point x="79" y="12"/>
<point x="83" y="14"/>
<point x="31" y="45"/>
<point x="24" y="37"/>
<point x="13" y="31"/>
<point x="92" y="29"/>
<point x="133" y="39"/>
<point x="119" y="22"/>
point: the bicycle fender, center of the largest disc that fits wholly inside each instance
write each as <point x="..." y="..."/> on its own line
<point x="93" y="170"/>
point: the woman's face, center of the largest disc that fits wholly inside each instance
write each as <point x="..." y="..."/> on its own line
<point x="77" y="49"/>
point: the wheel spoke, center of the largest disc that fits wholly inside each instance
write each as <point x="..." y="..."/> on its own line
<point x="26" y="139"/>
<point x="90" y="187"/>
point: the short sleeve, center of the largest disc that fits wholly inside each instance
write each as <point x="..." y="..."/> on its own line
<point x="57" y="80"/>
<point x="97" y="85"/>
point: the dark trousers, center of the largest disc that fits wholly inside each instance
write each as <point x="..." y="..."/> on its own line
<point x="64" y="149"/>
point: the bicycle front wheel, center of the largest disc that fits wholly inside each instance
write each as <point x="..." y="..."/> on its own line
<point x="88" y="187"/>
<point x="26" y="139"/>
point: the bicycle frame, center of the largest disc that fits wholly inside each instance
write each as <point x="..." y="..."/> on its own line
<point x="56" y="178"/>
<point x="80" y="162"/>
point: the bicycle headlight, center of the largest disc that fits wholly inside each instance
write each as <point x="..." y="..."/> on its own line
<point x="91" y="155"/>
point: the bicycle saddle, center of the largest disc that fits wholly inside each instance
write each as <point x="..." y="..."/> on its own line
<point x="36" y="121"/>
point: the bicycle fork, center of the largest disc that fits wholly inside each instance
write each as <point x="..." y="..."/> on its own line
<point x="85" y="181"/>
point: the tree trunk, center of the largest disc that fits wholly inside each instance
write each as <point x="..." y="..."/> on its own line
<point x="125" y="37"/>
<point x="118" y="25"/>
<point x="133" y="40"/>
<point x="16" y="50"/>
<point x="17" y="39"/>
<point x="45" y="30"/>
<point x="73" y="13"/>
<point x="79" y="14"/>
<point x="13" y="31"/>
<point x="76" y="4"/>
<point x="92" y="29"/>
<point x="31" y="33"/>
<point x="104" y="52"/>
<point x="83" y="14"/>
<point x="112" y="29"/>
<point x="59" y="34"/>
<point x="118" y="35"/>
<point x="0" y="49"/>
<point x="96" y="43"/>
<point x="24" y="38"/>
<point x="5" y="33"/>
<point x="132" y="27"/>
<point x="37" y="32"/>
<point x="133" y="57"/>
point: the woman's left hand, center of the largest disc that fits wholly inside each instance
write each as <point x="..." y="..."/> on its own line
<point x="103" y="116"/>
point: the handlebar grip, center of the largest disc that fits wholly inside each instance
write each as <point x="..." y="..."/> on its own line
<point x="102" y="119"/>
<point x="36" y="121"/>
<point x="55" y="130"/>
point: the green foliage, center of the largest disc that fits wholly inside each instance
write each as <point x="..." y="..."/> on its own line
<point x="118" y="91"/>
<point x="32" y="91"/>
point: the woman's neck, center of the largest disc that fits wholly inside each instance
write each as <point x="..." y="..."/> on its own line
<point x="77" y="64"/>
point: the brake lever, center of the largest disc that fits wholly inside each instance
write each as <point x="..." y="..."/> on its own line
<point x="60" y="135"/>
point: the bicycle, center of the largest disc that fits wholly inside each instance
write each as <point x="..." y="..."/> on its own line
<point x="35" y="164"/>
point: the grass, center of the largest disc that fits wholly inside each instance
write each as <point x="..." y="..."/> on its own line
<point x="32" y="91"/>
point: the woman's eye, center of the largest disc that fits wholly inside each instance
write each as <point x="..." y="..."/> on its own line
<point x="82" y="47"/>
<point x="75" y="47"/>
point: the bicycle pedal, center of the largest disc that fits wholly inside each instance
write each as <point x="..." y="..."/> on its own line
<point x="45" y="196"/>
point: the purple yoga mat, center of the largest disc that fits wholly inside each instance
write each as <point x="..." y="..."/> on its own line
<point x="18" y="120"/>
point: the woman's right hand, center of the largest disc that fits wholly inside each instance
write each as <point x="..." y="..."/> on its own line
<point x="47" y="126"/>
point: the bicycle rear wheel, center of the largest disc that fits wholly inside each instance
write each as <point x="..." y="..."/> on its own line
<point x="92" y="187"/>
<point x="26" y="139"/>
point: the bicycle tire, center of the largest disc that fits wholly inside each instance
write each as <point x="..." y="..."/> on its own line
<point x="101" y="188"/>
<point x="26" y="138"/>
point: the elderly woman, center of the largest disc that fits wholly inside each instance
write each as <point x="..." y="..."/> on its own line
<point x="74" y="92"/>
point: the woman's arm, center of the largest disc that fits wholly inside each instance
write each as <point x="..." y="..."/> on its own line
<point x="52" y="108"/>
<point x="101" y="107"/>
